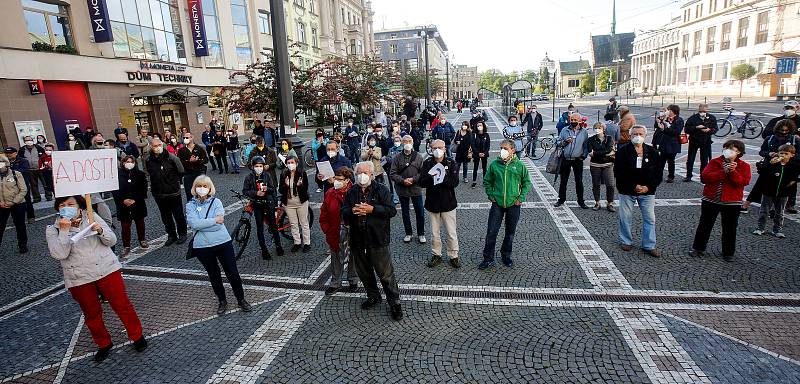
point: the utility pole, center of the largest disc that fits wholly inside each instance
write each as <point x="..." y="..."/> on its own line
<point x="447" y="76"/>
<point x="427" y="71"/>
<point x="554" y="96"/>
<point x="283" y="75"/>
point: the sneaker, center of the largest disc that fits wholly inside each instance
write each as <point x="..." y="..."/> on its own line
<point x="407" y="239"/>
<point x="422" y="240"/>
<point x="508" y="262"/>
<point x="652" y="252"/>
<point x="102" y="353"/>
<point x="626" y="247"/>
<point x="596" y="207"/>
<point x="23" y="249"/>
<point x="140" y="345"/>
<point x="670" y="180"/>
<point x="696" y="253"/>
<point x="306" y="248"/>
<point x="583" y="205"/>
<point x="181" y="239"/>
<point x="473" y="185"/>
<point x="245" y="306"/>
<point x="758" y="232"/>
<point x="170" y="240"/>
<point x="688" y="179"/>
<point x="744" y="210"/>
<point x="397" y="312"/>
<point x="455" y="263"/>
<point x="485" y="264"/>
<point x="779" y="235"/>
<point x="319" y="190"/>
<point x="332" y="290"/>
<point x="295" y="248"/>
<point x="434" y="261"/>
<point x="558" y="203"/>
<point x="143" y="244"/>
<point x="265" y="254"/>
<point x="728" y="258"/>
<point x="370" y="302"/>
<point x="222" y="307"/>
<point x="610" y="207"/>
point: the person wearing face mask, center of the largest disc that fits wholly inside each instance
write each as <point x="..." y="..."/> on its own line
<point x="778" y="178"/>
<point x="263" y="194"/>
<point x="31" y="152"/>
<point x="532" y="123"/>
<point x="131" y="202"/>
<point x="194" y="159"/>
<point x="724" y="180"/>
<point x="769" y="150"/>
<point x="372" y="152"/>
<point x="353" y="139"/>
<point x="337" y="232"/>
<point x="126" y="147"/>
<point x="444" y="131"/>
<point x="91" y="269"/>
<point x="476" y="118"/>
<point x="463" y="153"/>
<point x="638" y="174"/>
<point x="666" y="140"/>
<point x="318" y="152"/>
<point x="481" y="142"/>
<point x="293" y="190"/>
<point x="404" y="124"/>
<point x="626" y="122"/>
<point x="700" y="127"/>
<point x="269" y="156"/>
<point x="46" y="170"/>
<point x="231" y="142"/>
<point x="405" y="173"/>
<point x="97" y="142"/>
<point x="21" y="165"/>
<point x="441" y="203"/>
<point x="515" y="133"/>
<point x="563" y="120"/>
<point x="207" y="138"/>
<point x="367" y="209"/>
<point x="13" y="191"/>
<point x="74" y="143"/>
<point x="284" y="152"/>
<point x="336" y="160"/>
<point x="574" y="140"/>
<point x="211" y="243"/>
<point x="165" y="171"/>
<point x="601" y="149"/>
<point x="174" y="145"/>
<point x="506" y="184"/>
<point x="790" y="111"/>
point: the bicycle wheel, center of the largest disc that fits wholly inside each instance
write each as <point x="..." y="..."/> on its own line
<point x="536" y="150"/>
<point x="753" y="129"/>
<point x="308" y="158"/>
<point x="724" y="129"/>
<point x="241" y="234"/>
<point x="547" y="143"/>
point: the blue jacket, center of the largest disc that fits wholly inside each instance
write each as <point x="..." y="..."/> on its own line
<point x="337" y="162"/>
<point x="516" y="133"/>
<point x="206" y="138"/>
<point x="578" y="148"/>
<point x="612" y="130"/>
<point x="443" y="132"/>
<point x="207" y="232"/>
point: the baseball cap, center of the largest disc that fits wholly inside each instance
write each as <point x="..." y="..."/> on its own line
<point x="10" y="150"/>
<point x="791" y="103"/>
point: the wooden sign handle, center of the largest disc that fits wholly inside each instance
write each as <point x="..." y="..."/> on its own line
<point x="89" y="209"/>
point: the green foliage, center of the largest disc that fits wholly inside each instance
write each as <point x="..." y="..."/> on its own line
<point x="40" y="46"/>
<point x="587" y="83"/>
<point x="742" y="72"/>
<point x="414" y="84"/>
<point x="68" y="49"/>
<point x="606" y="79"/>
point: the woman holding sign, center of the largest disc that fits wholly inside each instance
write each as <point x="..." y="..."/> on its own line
<point x="90" y="266"/>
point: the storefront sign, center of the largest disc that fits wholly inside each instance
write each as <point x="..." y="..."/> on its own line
<point x="83" y="172"/>
<point x="177" y="28"/>
<point x="101" y="26"/>
<point x="198" y="28"/>
<point x="786" y="66"/>
<point x="28" y="128"/>
<point x="159" y="77"/>
<point x="152" y="66"/>
<point x="36" y="87"/>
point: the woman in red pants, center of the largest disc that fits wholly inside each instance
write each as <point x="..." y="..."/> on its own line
<point x="90" y="266"/>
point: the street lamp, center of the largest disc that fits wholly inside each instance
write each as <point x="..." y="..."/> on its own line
<point x="447" y="79"/>
<point x="617" y="61"/>
<point x="427" y="33"/>
<point x="282" y="74"/>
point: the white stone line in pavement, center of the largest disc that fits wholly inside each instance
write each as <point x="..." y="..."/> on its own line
<point x="319" y="271"/>
<point x="250" y="361"/>
<point x="661" y="356"/>
<point x="62" y="368"/>
<point x="148" y="268"/>
<point x="731" y="338"/>
<point x="28" y="297"/>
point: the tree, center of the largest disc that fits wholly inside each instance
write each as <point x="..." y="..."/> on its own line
<point x="492" y="80"/>
<point x="358" y="80"/>
<point x="544" y="80"/>
<point x="605" y="79"/>
<point x="414" y="84"/>
<point x="587" y="83"/>
<point x="742" y="72"/>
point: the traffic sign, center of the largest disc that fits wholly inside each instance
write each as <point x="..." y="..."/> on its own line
<point x="786" y="66"/>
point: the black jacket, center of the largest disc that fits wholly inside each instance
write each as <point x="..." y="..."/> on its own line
<point x="463" y="145"/>
<point x="252" y="184"/>
<point x="473" y="122"/>
<point x="776" y="178"/>
<point x="628" y="176"/>
<point x="667" y="140"/>
<point x="232" y="142"/>
<point x="132" y="185"/>
<point x="773" y="142"/>
<point x="441" y="197"/>
<point x="481" y="142"/>
<point x="184" y="154"/>
<point x="219" y="146"/>
<point x="696" y="136"/>
<point x="370" y="231"/>
<point x="299" y="189"/>
<point x="770" y="128"/>
<point x="599" y="150"/>
<point x="270" y="160"/>
<point x="532" y="124"/>
<point x="165" y="172"/>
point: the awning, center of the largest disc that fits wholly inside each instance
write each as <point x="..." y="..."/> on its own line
<point x="182" y="91"/>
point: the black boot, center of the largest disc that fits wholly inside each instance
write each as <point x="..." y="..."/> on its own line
<point x="223" y="306"/>
<point x="265" y="254"/>
<point x="102" y="353"/>
<point x="140" y="345"/>
<point x="245" y="306"/>
<point x="397" y="312"/>
<point x="370" y="302"/>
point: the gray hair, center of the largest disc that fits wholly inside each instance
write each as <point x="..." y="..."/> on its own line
<point x="508" y="142"/>
<point x="407" y="137"/>
<point x="642" y="127"/>
<point x="367" y="164"/>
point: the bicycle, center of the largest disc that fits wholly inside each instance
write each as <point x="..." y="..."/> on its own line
<point x="537" y="149"/>
<point x="243" y="229"/>
<point x="749" y="128"/>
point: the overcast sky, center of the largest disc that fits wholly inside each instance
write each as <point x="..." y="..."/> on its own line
<point x="515" y="34"/>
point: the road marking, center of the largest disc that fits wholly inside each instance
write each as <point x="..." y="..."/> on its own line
<point x="62" y="368"/>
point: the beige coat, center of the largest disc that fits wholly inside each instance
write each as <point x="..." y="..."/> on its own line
<point x="87" y="260"/>
<point x="12" y="188"/>
<point x="625" y="124"/>
<point x="375" y="159"/>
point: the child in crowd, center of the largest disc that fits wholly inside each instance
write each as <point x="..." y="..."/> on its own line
<point x="777" y="175"/>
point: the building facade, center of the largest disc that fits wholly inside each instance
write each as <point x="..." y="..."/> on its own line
<point x="569" y="76"/>
<point x="612" y="52"/>
<point x="463" y="82"/>
<point x="654" y="61"/>
<point x="404" y="50"/>
<point x="144" y="63"/>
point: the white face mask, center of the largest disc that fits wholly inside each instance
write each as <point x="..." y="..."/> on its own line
<point x="398" y="143"/>
<point x="48" y="153"/>
<point x="598" y="131"/>
<point x="661" y="113"/>
<point x="331" y="154"/>
<point x="291" y="166"/>
<point x="408" y="147"/>
<point x="129" y="166"/>
<point x="638" y="140"/>
<point x="186" y="141"/>
<point x="201" y="191"/>
<point x="513" y="123"/>
<point x="28" y="143"/>
<point x="3" y="166"/>
<point x="258" y="170"/>
<point x="504" y="154"/>
<point x="363" y="179"/>
<point x="790" y="112"/>
<point x="533" y="110"/>
<point x="371" y="143"/>
<point x="702" y="114"/>
<point x="729" y="153"/>
<point x="158" y="150"/>
<point x="338" y="184"/>
<point x="438" y="153"/>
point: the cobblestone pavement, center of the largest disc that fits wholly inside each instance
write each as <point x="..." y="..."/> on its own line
<point x="573" y="309"/>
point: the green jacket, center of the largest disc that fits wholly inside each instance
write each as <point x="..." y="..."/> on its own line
<point x="505" y="183"/>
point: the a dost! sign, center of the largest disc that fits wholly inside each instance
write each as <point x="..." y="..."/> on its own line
<point x="84" y="172"/>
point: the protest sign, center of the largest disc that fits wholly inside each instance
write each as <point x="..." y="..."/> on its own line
<point x="84" y="172"/>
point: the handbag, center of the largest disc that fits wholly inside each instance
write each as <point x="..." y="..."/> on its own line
<point x="684" y="138"/>
<point x="554" y="161"/>
<point x="191" y="241"/>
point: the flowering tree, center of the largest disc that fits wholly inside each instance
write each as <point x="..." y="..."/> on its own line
<point x="359" y="81"/>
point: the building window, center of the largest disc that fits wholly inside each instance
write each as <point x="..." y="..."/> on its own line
<point x="394" y="65"/>
<point x="685" y="52"/>
<point x="314" y="38"/>
<point x="712" y="6"/>
<point x="241" y="33"/>
<point x="573" y="83"/>
<point x="214" y="58"/>
<point x="758" y="63"/>
<point x="698" y="11"/>
<point x="706" y="72"/>
<point x="299" y="3"/>
<point x="359" y="47"/>
<point x="147" y="29"/>
<point x="301" y="32"/>
<point x="725" y="42"/>
<point x="392" y="48"/>
<point x="711" y="36"/>
<point x="722" y="71"/>
<point x="763" y="27"/>
<point x="744" y="25"/>
<point x="342" y="15"/>
<point x="311" y="7"/>
<point x="698" y="37"/>
<point x="411" y="47"/>
<point x="412" y="64"/>
<point x="47" y="23"/>
<point x="264" y="25"/>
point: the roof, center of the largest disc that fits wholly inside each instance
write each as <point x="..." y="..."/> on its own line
<point x="604" y="49"/>
<point x="573" y="67"/>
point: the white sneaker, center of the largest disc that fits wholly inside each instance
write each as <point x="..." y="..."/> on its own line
<point x="407" y="239"/>
<point x="758" y="232"/>
<point x="422" y="240"/>
<point x="779" y="235"/>
<point x="319" y="190"/>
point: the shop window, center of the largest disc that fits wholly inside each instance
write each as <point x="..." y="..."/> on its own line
<point x="763" y="27"/>
<point x="145" y="29"/>
<point x="47" y="23"/>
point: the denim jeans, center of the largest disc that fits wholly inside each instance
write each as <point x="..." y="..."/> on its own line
<point x="234" y="158"/>
<point x="496" y="214"/>
<point x="647" y="207"/>
<point x="419" y="211"/>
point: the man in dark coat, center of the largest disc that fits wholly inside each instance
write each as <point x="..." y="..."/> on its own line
<point x="194" y="159"/>
<point x="441" y="203"/>
<point x="700" y="127"/>
<point x="533" y="124"/>
<point x="165" y="171"/>
<point x="790" y="109"/>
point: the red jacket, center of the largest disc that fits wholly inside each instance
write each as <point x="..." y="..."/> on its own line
<point x="330" y="216"/>
<point x="733" y="182"/>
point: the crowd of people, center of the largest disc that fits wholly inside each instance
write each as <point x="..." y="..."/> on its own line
<point x="375" y="173"/>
